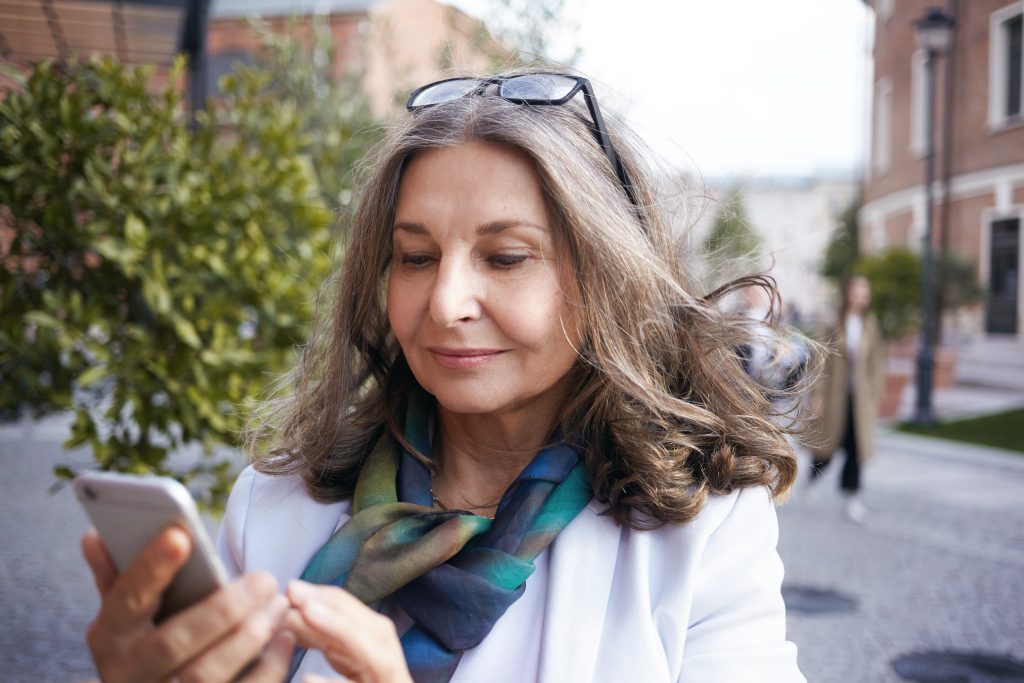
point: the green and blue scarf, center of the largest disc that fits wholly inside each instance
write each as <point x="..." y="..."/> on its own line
<point x="454" y="573"/>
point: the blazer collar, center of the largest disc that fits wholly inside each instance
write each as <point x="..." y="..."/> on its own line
<point x="580" y="572"/>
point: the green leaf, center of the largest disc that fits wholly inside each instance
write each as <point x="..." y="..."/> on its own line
<point x="157" y="294"/>
<point x="92" y="375"/>
<point x="11" y="173"/>
<point x="135" y="231"/>
<point x="186" y="332"/>
<point x="63" y="472"/>
<point x="116" y="250"/>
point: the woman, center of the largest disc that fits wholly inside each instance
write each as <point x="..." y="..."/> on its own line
<point x="517" y="448"/>
<point x="850" y="391"/>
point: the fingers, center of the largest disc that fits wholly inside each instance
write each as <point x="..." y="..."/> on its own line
<point x="104" y="573"/>
<point x="316" y="678"/>
<point x="273" y="664"/>
<point x="135" y="596"/>
<point x="129" y="600"/>
<point x="307" y="596"/>
<point x="238" y="648"/>
<point x="233" y="613"/>
<point x="319" y="614"/>
<point x="357" y="641"/>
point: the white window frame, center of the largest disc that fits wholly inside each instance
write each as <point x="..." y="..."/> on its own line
<point x="881" y="151"/>
<point x="918" y="102"/>
<point x="997" y="69"/>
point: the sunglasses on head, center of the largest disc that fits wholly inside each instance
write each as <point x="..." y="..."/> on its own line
<point x="535" y="88"/>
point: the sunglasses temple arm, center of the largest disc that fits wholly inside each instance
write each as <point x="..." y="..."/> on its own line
<point x="606" y="144"/>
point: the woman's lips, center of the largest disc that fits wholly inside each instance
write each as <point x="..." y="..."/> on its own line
<point x="463" y="359"/>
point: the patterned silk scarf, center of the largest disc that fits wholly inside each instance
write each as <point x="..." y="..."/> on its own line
<point x="454" y="573"/>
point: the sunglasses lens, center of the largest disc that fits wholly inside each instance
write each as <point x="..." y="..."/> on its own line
<point x="537" y="87"/>
<point x="444" y="92"/>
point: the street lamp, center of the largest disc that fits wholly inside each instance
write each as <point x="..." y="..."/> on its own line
<point x="934" y="36"/>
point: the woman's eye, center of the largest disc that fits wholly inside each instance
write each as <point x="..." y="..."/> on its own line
<point x="507" y="260"/>
<point x="416" y="260"/>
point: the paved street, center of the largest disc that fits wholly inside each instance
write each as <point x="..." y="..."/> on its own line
<point x="45" y="589"/>
<point x="938" y="565"/>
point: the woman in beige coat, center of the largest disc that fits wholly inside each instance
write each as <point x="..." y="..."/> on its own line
<point x="850" y="390"/>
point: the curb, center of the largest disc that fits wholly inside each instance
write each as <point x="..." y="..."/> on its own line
<point x="951" y="450"/>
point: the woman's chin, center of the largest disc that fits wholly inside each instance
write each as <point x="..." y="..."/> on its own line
<point x="469" y="403"/>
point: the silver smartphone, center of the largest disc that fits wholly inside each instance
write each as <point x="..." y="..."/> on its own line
<point x="129" y="510"/>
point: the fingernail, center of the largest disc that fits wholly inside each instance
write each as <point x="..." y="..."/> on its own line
<point x="170" y="548"/>
<point x="277" y="607"/>
<point x="315" y="612"/>
<point x="299" y="591"/>
<point x="284" y="641"/>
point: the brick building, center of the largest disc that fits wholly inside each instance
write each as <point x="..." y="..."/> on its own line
<point x="979" y="153"/>
<point x="398" y="44"/>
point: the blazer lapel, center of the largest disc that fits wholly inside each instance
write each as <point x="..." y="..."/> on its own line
<point x="298" y="525"/>
<point x="582" y="565"/>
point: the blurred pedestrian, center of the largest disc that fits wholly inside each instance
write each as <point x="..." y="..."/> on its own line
<point x="849" y="392"/>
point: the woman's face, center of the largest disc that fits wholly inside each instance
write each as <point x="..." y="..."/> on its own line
<point x="858" y="295"/>
<point x="475" y="290"/>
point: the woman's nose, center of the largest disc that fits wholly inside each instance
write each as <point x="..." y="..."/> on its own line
<point x="456" y="293"/>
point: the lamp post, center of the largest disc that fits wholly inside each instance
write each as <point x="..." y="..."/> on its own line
<point x="934" y="36"/>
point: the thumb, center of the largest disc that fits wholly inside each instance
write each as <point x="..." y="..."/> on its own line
<point x="104" y="573"/>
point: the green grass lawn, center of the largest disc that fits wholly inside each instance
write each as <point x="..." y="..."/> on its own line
<point x="1000" y="430"/>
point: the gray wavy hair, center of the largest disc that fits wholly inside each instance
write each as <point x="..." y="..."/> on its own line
<point x="663" y="406"/>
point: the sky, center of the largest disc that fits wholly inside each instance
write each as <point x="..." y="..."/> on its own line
<point x="731" y="88"/>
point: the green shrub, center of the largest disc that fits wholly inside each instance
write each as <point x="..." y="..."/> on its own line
<point x="895" y="277"/>
<point x="732" y="248"/>
<point x="957" y="278"/>
<point x="162" y="272"/>
<point x="843" y="249"/>
<point x="896" y="287"/>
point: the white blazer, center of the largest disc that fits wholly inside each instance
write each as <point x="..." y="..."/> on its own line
<point x="699" y="603"/>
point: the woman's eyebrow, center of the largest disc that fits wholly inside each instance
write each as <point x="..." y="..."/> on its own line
<point x="414" y="228"/>
<point x="489" y="228"/>
<point x="494" y="227"/>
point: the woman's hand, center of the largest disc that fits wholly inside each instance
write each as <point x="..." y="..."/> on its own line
<point x="214" y="640"/>
<point x="358" y="642"/>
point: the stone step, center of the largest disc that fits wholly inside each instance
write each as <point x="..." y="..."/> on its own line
<point x="990" y="376"/>
<point x="987" y="351"/>
<point x="992" y="362"/>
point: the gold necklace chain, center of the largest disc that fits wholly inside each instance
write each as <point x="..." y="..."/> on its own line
<point x="445" y="508"/>
<point x="437" y="501"/>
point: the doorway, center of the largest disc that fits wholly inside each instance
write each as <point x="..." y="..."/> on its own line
<point x="1004" y="277"/>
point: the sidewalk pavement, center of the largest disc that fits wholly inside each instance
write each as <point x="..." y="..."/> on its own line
<point x="46" y="591"/>
<point x="938" y="564"/>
